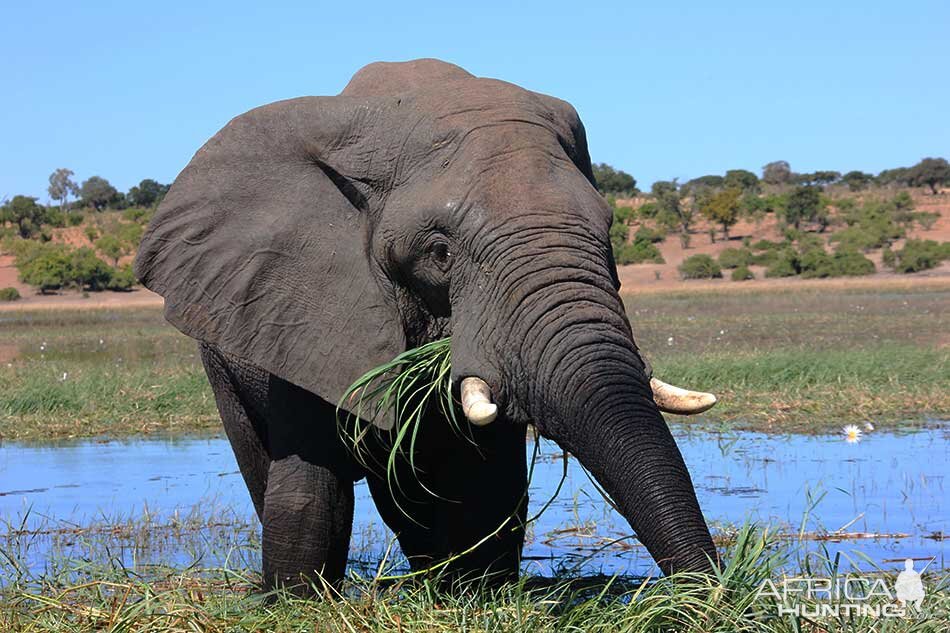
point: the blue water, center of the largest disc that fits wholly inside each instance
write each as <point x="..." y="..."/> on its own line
<point x="892" y="484"/>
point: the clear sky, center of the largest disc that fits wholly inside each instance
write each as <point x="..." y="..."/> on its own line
<point x="129" y="90"/>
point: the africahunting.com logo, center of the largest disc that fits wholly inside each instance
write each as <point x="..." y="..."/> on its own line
<point x="848" y="596"/>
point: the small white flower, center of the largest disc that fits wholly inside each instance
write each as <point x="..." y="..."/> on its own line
<point x="669" y="341"/>
<point x="868" y="427"/>
<point x="65" y="376"/>
<point x="852" y="434"/>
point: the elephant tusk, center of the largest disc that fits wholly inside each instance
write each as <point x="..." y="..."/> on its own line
<point x="671" y="399"/>
<point x="476" y="401"/>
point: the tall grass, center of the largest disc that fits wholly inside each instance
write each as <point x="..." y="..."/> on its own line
<point x="224" y="600"/>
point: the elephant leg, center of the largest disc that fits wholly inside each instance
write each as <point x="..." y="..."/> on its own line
<point x="239" y="392"/>
<point x="298" y="472"/>
<point x="308" y="503"/>
<point x="490" y="488"/>
<point x="484" y="493"/>
<point x="308" y="516"/>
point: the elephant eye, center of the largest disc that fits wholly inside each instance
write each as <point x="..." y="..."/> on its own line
<point x="440" y="253"/>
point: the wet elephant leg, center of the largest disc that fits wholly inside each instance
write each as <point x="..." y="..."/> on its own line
<point x="297" y="470"/>
<point x="484" y="492"/>
<point x="490" y="486"/>
<point x="308" y="502"/>
<point x="308" y="516"/>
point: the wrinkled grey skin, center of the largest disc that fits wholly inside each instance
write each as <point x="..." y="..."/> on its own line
<point x="313" y="239"/>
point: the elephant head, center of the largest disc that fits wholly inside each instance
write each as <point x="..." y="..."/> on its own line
<point x="319" y="237"/>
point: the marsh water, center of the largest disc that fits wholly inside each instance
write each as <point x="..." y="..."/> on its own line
<point x="182" y="502"/>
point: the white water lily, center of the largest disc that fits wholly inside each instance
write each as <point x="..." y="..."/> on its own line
<point x="852" y="434"/>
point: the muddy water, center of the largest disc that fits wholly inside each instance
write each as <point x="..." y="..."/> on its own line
<point x="884" y="498"/>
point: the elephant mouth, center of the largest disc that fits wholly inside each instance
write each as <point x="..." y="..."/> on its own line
<point x="480" y="410"/>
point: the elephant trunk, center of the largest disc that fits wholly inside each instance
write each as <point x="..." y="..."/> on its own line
<point x="596" y="402"/>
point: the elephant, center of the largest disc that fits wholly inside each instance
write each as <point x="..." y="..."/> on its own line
<point x="315" y="238"/>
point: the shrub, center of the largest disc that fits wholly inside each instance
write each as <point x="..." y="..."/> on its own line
<point x="92" y="233"/>
<point x="54" y="218"/>
<point x="112" y="247"/>
<point x="44" y="265"/>
<point x="766" y="245"/>
<point x="735" y="257"/>
<point x="888" y="257"/>
<point x="74" y="219"/>
<point x="742" y="273"/>
<point x="920" y="255"/>
<point x="816" y="262"/>
<point x="638" y="253"/>
<point x="785" y="264"/>
<point x="844" y="263"/>
<point x="646" y="234"/>
<point x="87" y="270"/>
<point x="122" y="279"/>
<point x="139" y="215"/>
<point x="700" y="267"/>
<point x="765" y="258"/>
<point x="852" y="263"/>
<point x="9" y="294"/>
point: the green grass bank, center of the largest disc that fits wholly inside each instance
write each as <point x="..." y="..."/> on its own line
<point x="798" y="360"/>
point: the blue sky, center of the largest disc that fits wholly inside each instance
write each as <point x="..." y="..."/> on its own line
<point x="130" y="90"/>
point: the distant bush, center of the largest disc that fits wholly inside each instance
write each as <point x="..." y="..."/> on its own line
<point x="700" y="267"/>
<point x="888" y="257"/>
<point x="851" y="264"/>
<point x="920" y="255"/>
<point x="844" y="263"/>
<point x="638" y="253"/>
<point x="735" y="257"/>
<point x="86" y="270"/>
<point x="122" y="278"/>
<point x="646" y="234"/>
<point x="9" y="294"/>
<point x="54" y="218"/>
<point x="766" y="245"/>
<point x="742" y="273"/>
<point x="139" y="215"/>
<point x="74" y="219"/>
<point x="50" y="266"/>
<point x="785" y="264"/>
<point x="92" y="233"/>
<point x="44" y="265"/>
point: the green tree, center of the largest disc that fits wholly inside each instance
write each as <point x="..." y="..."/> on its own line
<point x="702" y="183"/>
<point x="673" y="211"/>
<point x="857" y="180"/>
<point x="777" y="172"/>
<point x="23" y="212"/>
<point x="61" y="186"/>
<point x="817" y="178"/>
<point x="896" y="176"/>
<point x="722" y="208"/>
<point x="147" y="193"/>
<point x="96" y="192"/>
<point x="112" y="247"/>
<point x="932" y="172"/>
<point x="741" y="179"/>
<point x="804" y="204"/>
<point x="44" y="265"/>
<point x="87" y="270"/>
<point x="615" y="181"/>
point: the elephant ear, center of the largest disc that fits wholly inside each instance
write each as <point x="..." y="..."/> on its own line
<point x="261" y="246"/>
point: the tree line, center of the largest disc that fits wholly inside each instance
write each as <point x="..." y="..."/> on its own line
<point x="26" y="229"/>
